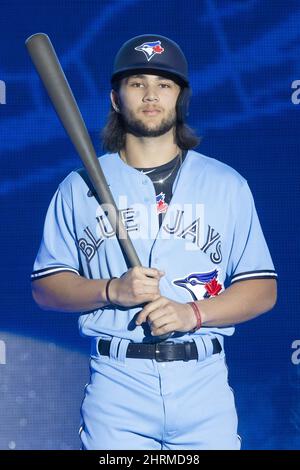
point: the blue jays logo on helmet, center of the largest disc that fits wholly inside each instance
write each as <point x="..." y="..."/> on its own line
<point x="201" y="285"/>
<point x="150" y="49"/>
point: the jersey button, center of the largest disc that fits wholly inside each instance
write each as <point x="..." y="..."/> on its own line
<point x="145" y="181"/>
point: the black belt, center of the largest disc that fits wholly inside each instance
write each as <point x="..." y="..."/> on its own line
<point x="161" y="352"/>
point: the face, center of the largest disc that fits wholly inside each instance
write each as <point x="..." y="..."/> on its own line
<point x="147" y="104"/>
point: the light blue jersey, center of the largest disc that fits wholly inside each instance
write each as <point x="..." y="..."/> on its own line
<point x="210" y="238"/>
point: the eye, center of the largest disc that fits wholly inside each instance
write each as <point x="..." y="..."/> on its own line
<point x="136" y="84"/>
<point x="165" y="85"/>
<point x="193" y="282"/>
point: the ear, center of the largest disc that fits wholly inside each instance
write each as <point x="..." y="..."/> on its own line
<point x="114" y="100"/>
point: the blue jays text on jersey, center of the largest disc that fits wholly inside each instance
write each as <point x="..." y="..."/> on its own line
<point x="210" y="237"/>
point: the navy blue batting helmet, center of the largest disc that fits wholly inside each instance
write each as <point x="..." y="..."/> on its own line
<point x="155" y="54"/>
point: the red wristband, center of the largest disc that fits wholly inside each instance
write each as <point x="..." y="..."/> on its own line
<point x="197" y="314"/>
<point x="107" y="287"/>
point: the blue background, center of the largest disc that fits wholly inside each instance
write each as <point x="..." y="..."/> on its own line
<point x="243" y="57"/>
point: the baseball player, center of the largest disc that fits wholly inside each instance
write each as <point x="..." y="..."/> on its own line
<point x="158" y="371"/>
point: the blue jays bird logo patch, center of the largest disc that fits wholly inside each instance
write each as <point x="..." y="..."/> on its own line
<point x="161" y="205"/>
<point x="150" y="49"/>
<point x="201" y="285"/>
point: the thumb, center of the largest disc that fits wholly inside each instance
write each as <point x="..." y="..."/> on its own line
<point x="141" y="318"/>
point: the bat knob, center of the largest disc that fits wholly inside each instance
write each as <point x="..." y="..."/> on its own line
<point x="149" y="338"/>
<point x="160" y="338"/>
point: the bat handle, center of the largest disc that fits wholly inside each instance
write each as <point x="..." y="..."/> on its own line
<point x="161" y="338"/>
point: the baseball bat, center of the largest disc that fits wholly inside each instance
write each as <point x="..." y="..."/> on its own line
<point x="47" y="64"/>
<point x="51" y="73"/>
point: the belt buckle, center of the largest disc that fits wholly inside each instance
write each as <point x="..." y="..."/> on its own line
<point x="157" y="352"/>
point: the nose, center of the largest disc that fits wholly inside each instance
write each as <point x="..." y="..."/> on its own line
<point x="150" y="95"/>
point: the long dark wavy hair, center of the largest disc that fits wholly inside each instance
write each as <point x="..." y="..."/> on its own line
<point x="113" y="134"/>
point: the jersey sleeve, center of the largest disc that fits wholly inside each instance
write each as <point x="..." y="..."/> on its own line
<point x="250" y="257"/>
<point x="58" y="250"/>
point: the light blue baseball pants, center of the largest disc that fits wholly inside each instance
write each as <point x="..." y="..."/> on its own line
<point x="144" y="404"/>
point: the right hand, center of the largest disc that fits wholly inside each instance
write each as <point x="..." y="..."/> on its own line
<point x="137" y="286"/>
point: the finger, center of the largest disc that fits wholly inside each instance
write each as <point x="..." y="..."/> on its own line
<point x="142" y="316"/>
<point x="152" y="272"/>
<point x="159" y="318"/>
<point x="167" y="328"/>
<point x="146" y="298"/>
<point x="143" y="288"/>
<point x="150" y="307"/>
<point x="150" y="282"/>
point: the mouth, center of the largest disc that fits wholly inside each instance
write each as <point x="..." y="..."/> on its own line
<point x="151" y="112"/>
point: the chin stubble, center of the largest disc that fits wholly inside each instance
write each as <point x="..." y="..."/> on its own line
<point x="138" y="128"/>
